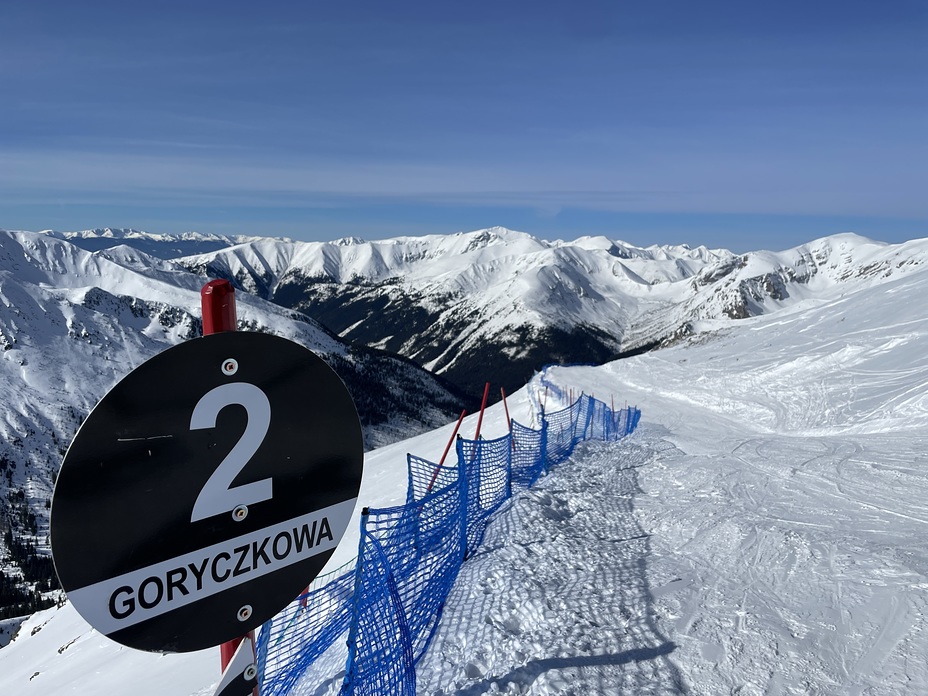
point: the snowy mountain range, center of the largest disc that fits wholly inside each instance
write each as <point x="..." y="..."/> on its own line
<point x="497" y="304"/>
<point x="74" y="322"/>
<point x="162" y="246"/>
<point x="762" y="533"/>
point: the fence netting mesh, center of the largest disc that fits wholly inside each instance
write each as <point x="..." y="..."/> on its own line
<point x="388" y="605"/>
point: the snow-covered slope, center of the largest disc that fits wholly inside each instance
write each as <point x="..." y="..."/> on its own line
<point x="164" y="246"/>
<point x="497" y="304"/>
<point x="73" y="323"/>
<point x="783" y="485"/>
<point x="762" y="533"/>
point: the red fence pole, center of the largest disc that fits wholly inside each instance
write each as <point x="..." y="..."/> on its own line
<point x="502" y="391"/>
<point x="217" y="300"/>
<point x="445" y="454"/>
<point x="483" y="406"/>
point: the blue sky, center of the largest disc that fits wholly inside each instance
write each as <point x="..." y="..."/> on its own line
<point x="744" y="125"/>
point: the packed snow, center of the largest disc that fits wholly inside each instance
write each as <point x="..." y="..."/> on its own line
<point x="762" y="533"/>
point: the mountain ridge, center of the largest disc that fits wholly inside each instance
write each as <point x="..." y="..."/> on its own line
<point x="161" y="245"/>
<point x="511" y="302"/>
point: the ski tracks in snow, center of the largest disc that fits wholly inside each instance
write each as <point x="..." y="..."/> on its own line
<point x="556" y="600"/>
<point x="806" y="566"/>
<point x="765" y="566"/>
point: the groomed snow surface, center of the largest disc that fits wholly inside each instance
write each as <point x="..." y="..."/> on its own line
<point x="763" y="533"/>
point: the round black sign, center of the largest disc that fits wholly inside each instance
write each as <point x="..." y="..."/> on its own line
<point x="205" y="491"/>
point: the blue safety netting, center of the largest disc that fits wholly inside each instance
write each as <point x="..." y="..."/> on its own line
<point x="486" y="486"/>
<point x="390" y="603"/>
<point x="305" y="629"/>
<point x="528" y="455"/>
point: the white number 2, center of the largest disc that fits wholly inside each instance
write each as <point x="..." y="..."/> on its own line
<point x="218" y="495"/>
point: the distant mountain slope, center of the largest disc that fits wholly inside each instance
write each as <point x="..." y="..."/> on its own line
<point x="762" y="282"/>
<point x="162" y="246"/>
<point x="488" y="305"/>
<point x="497" y="304"/>
<point x="73" y="323"/>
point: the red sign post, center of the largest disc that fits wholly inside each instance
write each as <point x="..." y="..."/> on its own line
<point x="217" y="299"/>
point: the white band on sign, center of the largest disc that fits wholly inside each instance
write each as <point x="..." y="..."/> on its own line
<point x="143" y="594"/>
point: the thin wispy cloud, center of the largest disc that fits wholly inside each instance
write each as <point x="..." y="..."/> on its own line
<point x="720" y="183"/>
<point x="718" y="108"/>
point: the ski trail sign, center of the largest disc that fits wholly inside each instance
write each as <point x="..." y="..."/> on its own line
<point x="205" y="491"/>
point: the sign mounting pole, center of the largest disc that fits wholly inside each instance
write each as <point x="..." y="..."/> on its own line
<point x="217" y="299"/>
